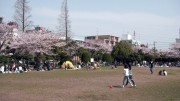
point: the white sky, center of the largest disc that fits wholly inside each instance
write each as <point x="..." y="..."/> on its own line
<point x="153" y="20"/>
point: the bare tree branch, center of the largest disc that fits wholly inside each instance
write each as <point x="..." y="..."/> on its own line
<point x="64" y="24"/>
<point x="22" y="14"/>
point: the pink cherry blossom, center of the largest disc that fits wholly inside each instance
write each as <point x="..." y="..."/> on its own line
<point x="36" y="42"/>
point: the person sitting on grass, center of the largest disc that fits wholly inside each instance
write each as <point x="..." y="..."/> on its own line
<point x="2" y="69"/>
<point x="20" y="69"/>
<point x="163" y="72"/>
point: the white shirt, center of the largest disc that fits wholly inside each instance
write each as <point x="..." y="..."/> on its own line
<point x="2" y="69"/>
<point x="126" y="72"/>
<point x="165" y="73"/>
<point x="20" y="68"/>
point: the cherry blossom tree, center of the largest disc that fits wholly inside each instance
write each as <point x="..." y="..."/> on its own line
<point x="36" y="42"/>
<point x="97" y="45"/>
<point x="143" y="49"/>
<point x="3" y="35"/>
<point x="6" y="33"/>
<point x="175" y="50"/>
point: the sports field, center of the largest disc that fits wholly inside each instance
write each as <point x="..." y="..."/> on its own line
<point x="90" y="85"/>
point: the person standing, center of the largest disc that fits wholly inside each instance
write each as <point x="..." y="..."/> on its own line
<point x="151" y="65"/>
<point x="126" y="75"/>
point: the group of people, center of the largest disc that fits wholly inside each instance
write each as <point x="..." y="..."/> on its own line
<point x="128" y="78"/>
<point x="43" y="65"/>
<point x="14" y="68"/>
<point x="163" y="72"/>
<point x="20" y="67"/>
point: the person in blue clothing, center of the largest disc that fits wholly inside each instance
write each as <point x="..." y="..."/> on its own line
<point x="151" y="65"/>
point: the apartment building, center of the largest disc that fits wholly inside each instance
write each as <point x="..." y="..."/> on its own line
<point x="108" y="39"/>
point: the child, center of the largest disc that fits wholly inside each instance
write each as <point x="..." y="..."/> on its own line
<point x="126" y="75"/>
<point x="160" y="72"/>
<point x="165" y="72"/>
<point x="130" y="76"/>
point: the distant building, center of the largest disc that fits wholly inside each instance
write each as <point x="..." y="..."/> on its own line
<point x="30" y="31"/>
<point x="80" y="43"/>
<point x="13" y="28"/>
<point x="12" y="24"/>
<point x="108" y="39"/>
<point x="128" y="38"/>
<point x="38" y="29"/>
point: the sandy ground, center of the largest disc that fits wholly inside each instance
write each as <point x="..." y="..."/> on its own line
<point x="84" y="85"/>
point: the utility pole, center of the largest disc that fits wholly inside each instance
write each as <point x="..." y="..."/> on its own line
<point x="179" y="32"/>
<point x="154" y="49"/>
<point x="134" y="35"/>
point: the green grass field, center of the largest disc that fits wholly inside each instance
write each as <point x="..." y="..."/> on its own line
<point x="90" y="85"/>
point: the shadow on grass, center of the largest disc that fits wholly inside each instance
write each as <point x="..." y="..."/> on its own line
<point x="117" y="86"/>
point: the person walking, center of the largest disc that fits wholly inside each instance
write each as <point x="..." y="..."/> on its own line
<point x="151" y="65"/>
<point x="126" y="75"/>
<point x="130" y="75"/>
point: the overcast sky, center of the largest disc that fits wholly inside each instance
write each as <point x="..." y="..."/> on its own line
<point x="152" y="20"/>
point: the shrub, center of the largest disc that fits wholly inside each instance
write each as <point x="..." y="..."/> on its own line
<point x="86" y="56"/>
<point x="107" y="57"/>
<point x="4" y="59"/>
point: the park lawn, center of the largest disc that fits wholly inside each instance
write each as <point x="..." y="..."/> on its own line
<point x="90" y="85"/>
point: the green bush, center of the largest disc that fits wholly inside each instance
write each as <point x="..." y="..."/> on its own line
<point x="28" y="57"/>
<point x="86" y="56"/>
<point x="121" y="50"/>
<point x="62" y="57"/>
<point x="107" y="57"/>
<point x="4" y="59"/>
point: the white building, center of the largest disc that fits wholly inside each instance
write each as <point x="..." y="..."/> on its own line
<point x="128" y="38"/>
<point x="108" y="39"/>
